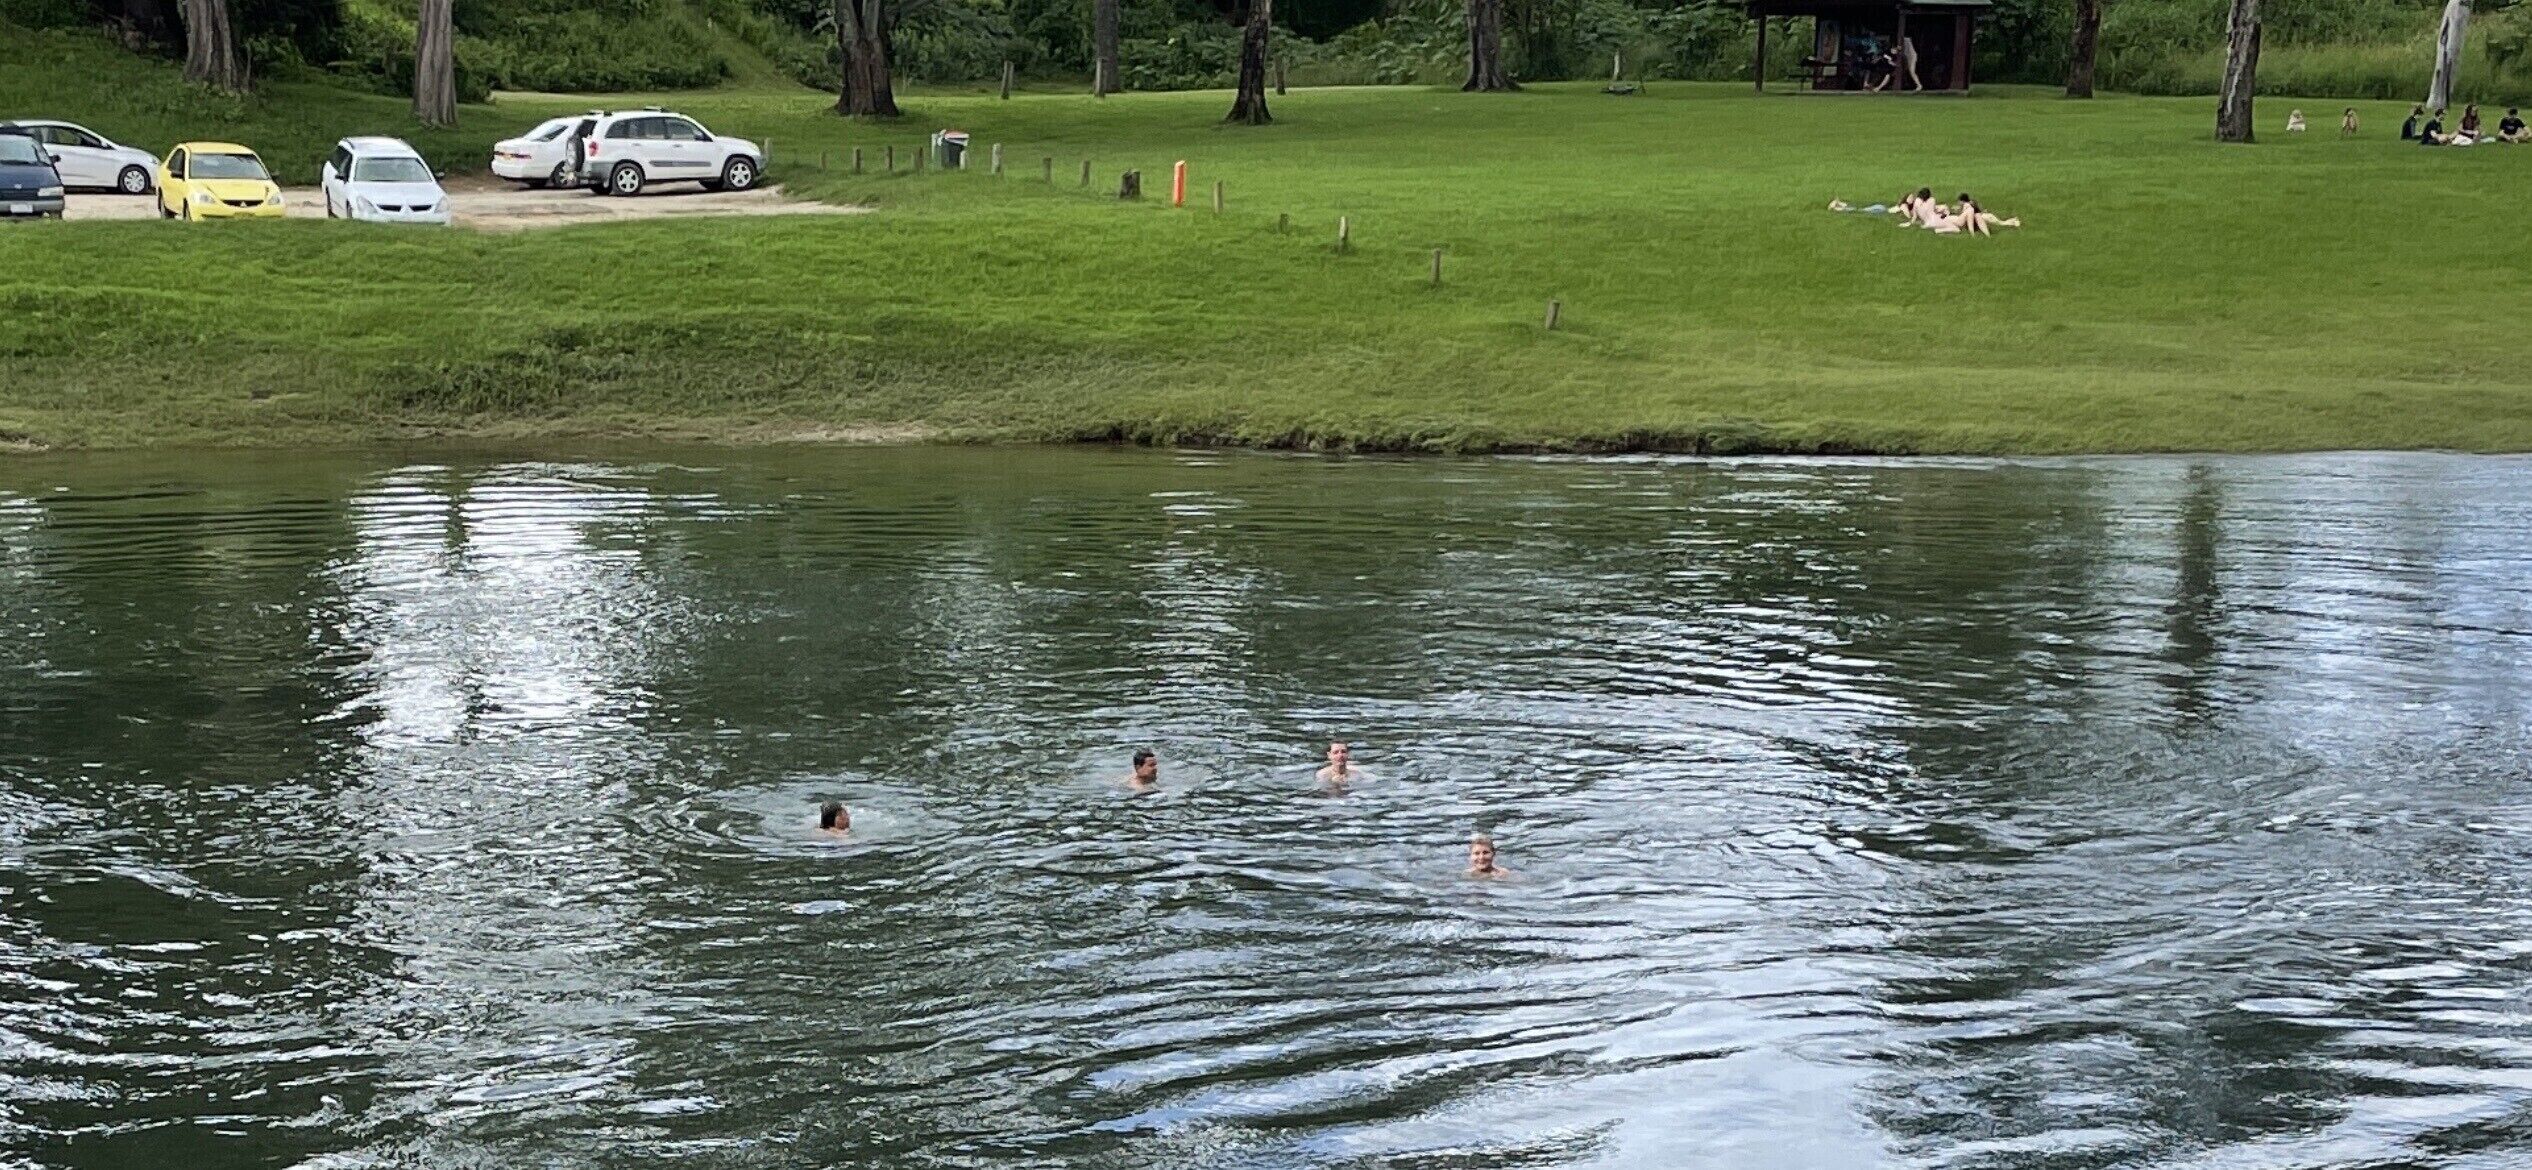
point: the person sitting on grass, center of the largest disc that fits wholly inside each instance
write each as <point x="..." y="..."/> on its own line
<point x="2409" y="129"/>
<point x="2294" y="121"/>
<point x="2432" y="134"/>
<point x="2347" y="123"/>
<point x="2510" y="128"/>
<point x="1978" y="221"/>
<point x="2470" y="122"/>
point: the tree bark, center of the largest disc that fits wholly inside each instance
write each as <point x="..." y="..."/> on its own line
<point x="1249" y="103"/>
<point x="2241" y="72"/>
<point x="2448" y="53"/>
<point x="1103" y="42"/>
<point x="211" y="50"/>
<point x="435" y="63"/>
<point x="1485" y="49"/>
<point x="2085" y="49"/>
<point x="861" y="31"/>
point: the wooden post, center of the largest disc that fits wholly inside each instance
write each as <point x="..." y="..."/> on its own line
<point x="1085" y="172"/>
<point x="1178" y="184"/>
<point x="1344" y="232"/>
<point x="922" y="155"/>
<point x="1279" y="76"/>
<point x="997" y="158"/>
<point x="857" y="160"/>
<point x="1050" y="170"/>
<point x="1006" y="81"/>
<point x="769" y="152"/>
<point x="1217" y="196"/>
<point x="1899" y="53"/>
<point x="1555" y="309"/>
<point x="1758" y="67"/>
<point x="1130" y="185"/>
<point x="892" y="158"/>
<point x="1437" y="268"/>
<point x="822" y="160"/>
<point x="1283" y="224"/>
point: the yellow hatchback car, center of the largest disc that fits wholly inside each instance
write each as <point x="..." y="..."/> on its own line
<point x="216" y="180"/>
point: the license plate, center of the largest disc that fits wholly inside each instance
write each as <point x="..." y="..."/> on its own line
<point x="21" y="209"/>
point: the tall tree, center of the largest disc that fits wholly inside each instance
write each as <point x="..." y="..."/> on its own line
<point x="1485" y="49"/>
<point x="1249" y="103"/>
<point x="2085" y="49"/>
<point x="211" y="51"/>
<point x="861" y="31"/>
<point x="2241" y="72"/>
<point x="2448" y="53"/>
<point x="435" y="63"/>
<point x="1103" y="47"/>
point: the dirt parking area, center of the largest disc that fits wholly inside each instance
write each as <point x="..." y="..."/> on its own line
<point x="492" y="206"/>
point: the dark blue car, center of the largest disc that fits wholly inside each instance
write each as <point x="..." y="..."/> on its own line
<point x="29" y="186"/>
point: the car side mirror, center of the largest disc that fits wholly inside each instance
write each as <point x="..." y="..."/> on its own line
<point x="57" y="158"/>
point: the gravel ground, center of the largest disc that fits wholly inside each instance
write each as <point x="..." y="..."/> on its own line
<point x="494" y="207"/>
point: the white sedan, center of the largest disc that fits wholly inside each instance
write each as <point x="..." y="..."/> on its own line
<point x="382" y="180"/>
<point x="538" y="158"/>
<point x="86" y="158"/>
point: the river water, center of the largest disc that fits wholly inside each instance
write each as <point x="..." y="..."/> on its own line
<point x="381" y="810"/>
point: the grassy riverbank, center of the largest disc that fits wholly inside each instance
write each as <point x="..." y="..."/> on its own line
<point x="2169" y="293"/>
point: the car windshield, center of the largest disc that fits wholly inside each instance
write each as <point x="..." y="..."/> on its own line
<point x="390" y="170"/>
<point x="549" y="131"/>
<point x="225" y="166"/>
<point x="18" y="148"/>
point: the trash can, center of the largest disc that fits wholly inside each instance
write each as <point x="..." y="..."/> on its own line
<point x="949" y="149"/>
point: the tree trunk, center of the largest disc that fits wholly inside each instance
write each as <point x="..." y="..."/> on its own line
<point x="435" y="64"/>
<point x="211" y="51"/>
<point x="861" y="32"/>
<point x="2448" y="53"/>
<point x="2241" y="72"/>
<point x="1485" y="49"/>
<point x="1103" y="42"/>
<point x="2085" y="50"/>
<point x="1249" y="104"/>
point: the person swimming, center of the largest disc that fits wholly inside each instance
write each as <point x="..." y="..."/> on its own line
<point x="1481" y="858"/>
<point x="1146" y="774"/>
<point x="833" y="820"/>
<point x="1340" y="769"/>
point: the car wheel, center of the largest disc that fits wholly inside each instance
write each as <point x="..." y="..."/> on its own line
<point x="133" y="181"/>
<point x="625" y="179"/>
<point x="739" y="174"/>
<point x="560" y="178"/>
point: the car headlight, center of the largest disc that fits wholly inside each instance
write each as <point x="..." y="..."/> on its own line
<point x="274" y="199"/>
<point x="365" y="205"/>
<point x="48" y="192"/>
<point x="203" y="197"/>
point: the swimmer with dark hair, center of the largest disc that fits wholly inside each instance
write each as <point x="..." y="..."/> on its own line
<point x="1146" y="774"/>
<point x="833" y="820"/>
<point x="1341" y="770"/>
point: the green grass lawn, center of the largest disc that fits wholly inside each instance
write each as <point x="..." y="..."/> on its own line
<point x="2169" y="293"/>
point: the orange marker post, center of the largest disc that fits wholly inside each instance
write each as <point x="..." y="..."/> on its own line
<point x="1178" y="184"/>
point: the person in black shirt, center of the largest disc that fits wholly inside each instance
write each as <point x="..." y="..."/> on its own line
<point x="2510" y="128"/>
<point x="2433" y="135"/>
<point x="2409" y="129"/>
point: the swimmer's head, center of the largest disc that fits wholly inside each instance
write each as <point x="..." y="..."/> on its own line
<point x="1339" y="753"/>
<point x="1481" y="853"/>
<point x="831" y="816"/>
<point x="1146" y="765"/>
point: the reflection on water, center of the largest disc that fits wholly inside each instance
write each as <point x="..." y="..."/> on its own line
<point x="2164" y="813"/>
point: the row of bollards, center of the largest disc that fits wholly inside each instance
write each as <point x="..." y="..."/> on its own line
<point x="1130" y="186"/>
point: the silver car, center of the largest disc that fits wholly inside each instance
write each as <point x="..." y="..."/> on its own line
<point x="88" y="159"/>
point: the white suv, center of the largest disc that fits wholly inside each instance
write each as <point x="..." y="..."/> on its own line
<point x="625" y="151"/>
<point x="382" y="180"/>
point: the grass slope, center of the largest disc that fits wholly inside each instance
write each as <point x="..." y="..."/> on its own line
<point x="2170" y="293"/>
